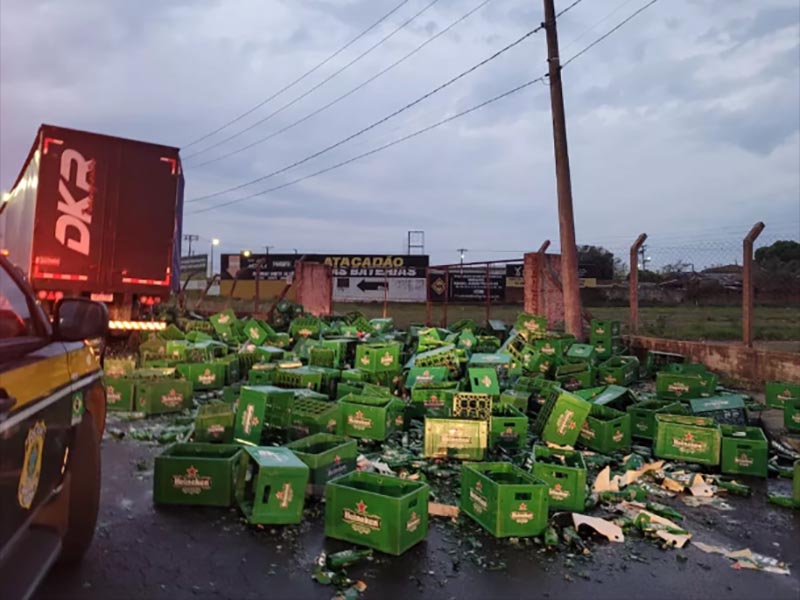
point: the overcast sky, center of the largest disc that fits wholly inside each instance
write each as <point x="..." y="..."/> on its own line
<point x="684" y="123"/>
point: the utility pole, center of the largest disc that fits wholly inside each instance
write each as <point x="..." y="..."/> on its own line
<point x="566" y="220"/>
<point x="461" y="252"/>
<point x="190" y="237"/>
<point x="267" y="248"/>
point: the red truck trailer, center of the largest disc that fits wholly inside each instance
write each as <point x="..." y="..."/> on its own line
<point x="96" y="216"/>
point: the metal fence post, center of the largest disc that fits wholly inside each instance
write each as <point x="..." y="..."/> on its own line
<point x="488" y="295"/>
<point x="747" y="283"/>
<point x="633" y="282"/>
<point x="541" y="307"/>
<point x="427" y="297"/>
<point x="446" y="296"/>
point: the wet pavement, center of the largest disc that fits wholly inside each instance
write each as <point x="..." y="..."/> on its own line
<point x="141" y="551"/>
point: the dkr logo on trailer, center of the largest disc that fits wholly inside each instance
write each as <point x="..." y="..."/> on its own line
<point x="75" y="212"/>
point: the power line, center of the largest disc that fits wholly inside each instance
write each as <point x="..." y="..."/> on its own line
<point x="609" y="32"/>
<point x="434" y="91"/>
<point x="351" y="91"/>
<point x="569" y="8"/>
<point x="318" y="85"/>
<point x="379" y="148"/>
<point x="302" y="77"/>
<point x="619" y="7"/>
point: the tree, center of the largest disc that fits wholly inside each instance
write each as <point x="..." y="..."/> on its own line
<point x="595" y="261"/>
<point x="783" y="255"/>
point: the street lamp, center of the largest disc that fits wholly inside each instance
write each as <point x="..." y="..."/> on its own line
<point x="214" y="242"/>
<point x="246" y="253"/>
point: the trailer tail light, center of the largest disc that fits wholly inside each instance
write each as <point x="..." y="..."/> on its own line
<point x="137" y="325"/>
<point x="136" y="280"/>
<point x="101" y="297"/>
<point x="60" y="276"/>
<point x="42" y="295"/>
<point x="4" y="252"/>
<point x="51" y="295"/>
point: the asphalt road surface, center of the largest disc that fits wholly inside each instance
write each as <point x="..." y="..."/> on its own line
<point x="141" y="551"/>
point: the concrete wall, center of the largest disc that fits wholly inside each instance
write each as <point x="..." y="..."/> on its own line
<point x="314" y="283"/>
<point x="750" y="366"/>
<point x="543" y="294"/>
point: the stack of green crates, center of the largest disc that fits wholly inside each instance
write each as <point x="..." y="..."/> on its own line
<point x="605" y="337"/>
<point x="504" y="499"/>
<point x="432" y="398"/>
<point x="385" y="513"/>
<point x="199" y="474"/>
<point x="690" y="439"/>
<point x="564" y="471"/>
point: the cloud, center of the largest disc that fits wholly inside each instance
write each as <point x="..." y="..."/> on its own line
<point x="683" y="124"/>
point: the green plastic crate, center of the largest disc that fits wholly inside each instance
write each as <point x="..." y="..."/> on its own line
<point x="619" y="370"/>
<point x="313" y="415"/>
<point x="796" y="483"/>
<point x="260" y="404"/>
<point x="606" y="430"/>
<point x="728" y="408"/>
<point x="561" y="418"/>
<point x="372" y="418"/>
<point x="778" y="392"/>
<point x="214" y="423"/>
<point x="120" y="393"/>
<point x="605" y="346"/>
<point x="657" y="361"/>
<point x="469" y="405"/>
<point x="262" y="373"/>
<point x="199" y="474"/>
<point x="203" y="376"/>
<point x="118" y="367"/>
<point x="375" y="358"/>
<point x="643" y="416"/>
<point x="462" y="439"/>
<point x="504" y="499"/>
<point x="232" y="368"/>
<point x="600" y="327"/>
<point x="382" y="326"/>
<point x="564" y="472"/>
<point x="690" y="439"/>
<point x="435" y="398"/>
<point x="575" y="375"/>
<point x="516" y="398"/>
<point x="684" y="386"/>
<point x="613" y="396"/>
<point x="483" y="381"/>
<point x="791" y="414"/>
<point x="417" y="375"/>
<point x="322" y="357"/>
<point x="745" y="451"/>
<point x="257" y="331"/>
<point x="271" y="486"/>
<point x="327" y="456"/>
<point x="385" y="513"/>
<point x="299" y="377"/>
<point x="578" y="352"/>
<point x="508" y="427"/>
<point x="554" y="347"/>
<point x="157" y="396"/>
<point x="176" y="349"/>
<point x="305" y="327"/>
<point x="531" y="326"/>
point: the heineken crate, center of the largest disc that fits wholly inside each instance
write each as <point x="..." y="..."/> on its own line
<point x="313" y="415"/>
<point x="432" y="398"/>
<point x="483" y="380"/>
<point x="230" y="394"/>
<point x="200" y="474"/>
<point x="203" y="376"/>
<point x="561" y="418"/>
<point x="260" y="404"/>
<point x="469" y="405"/>
<point x="262" y="373"/>
<point x="581" y="352"/>
<point x="425" y="375"/>
<point x="322" y="357"/>
<point x="612" y="396"/>
<point x="120" y="393"/>
<point x="280" y="340"/>
<point x="342" y="350"/>
<point x="643" y="416"/>
<point x="531" y="326"/>
<point x="305" y="327"/>
<point x="467" y="340"/>
<point x="119" y="367"/>
<point x="156" y="396"/>
<point x="205" y="351"/>
<point x="214" y="423"/>
<point x="508" y="427"/>
<point x="369" y="417"/>
<point x="605" y="328"/>
<point x="564" y="472"/>
<point x="153" y="349"/>
<point x="515" y="398"/>
<point x="271" y="486"/>
<point x="606" y="430"/>
<point x="385" y="513"/>
<point x="657" y="361"/>
<point x="619" y="370"/>
<point x="574" y="376"/>
<point x="300" y="377"/>
<point x="685" y="386"/>
<point x="502" y="362"/>
<point x="745" y="451"/>
<point x="463" y="439"/>
<point x="375" y="358"/>
<point x="327" y="456"/>
<point x="778" y="392"/>
<point x="690" y="439"/>
<point x="536" y="363"/>
<point x="258" y="332"/>
<point x="727" y="408"/>
<point x="232" y="371"/>
<point x="382" y="326"/>
<point x="605" y="347"/>
<point x="796" y="483"/>
<point x="504" y="499"/>
<point x="176" y="349"/>
<point x="445" y="356"/>
<point x="791" y="414"/>
<point x="269" y="354"/>
<point x="328" y="381"/>
<point x="554" y="347"/>
<point x="354" y="375"/>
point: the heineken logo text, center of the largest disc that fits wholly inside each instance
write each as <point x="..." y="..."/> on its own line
<point x="191" y="483"/>
<point x="359" y="421"/>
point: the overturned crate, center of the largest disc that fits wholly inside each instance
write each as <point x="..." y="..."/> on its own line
<point x="271" y="486"/>
<point x="200" y="474"/>
<point x="384" y="513"/>
<point x="504" y="499"/>
<point x="564" y="471"/>
<point x="561" y="418"/>
<point x="259" y="405"/>
<point x="327" y="456"/>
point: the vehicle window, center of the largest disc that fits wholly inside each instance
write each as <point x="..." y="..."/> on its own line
<point x="15" y="315"/>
